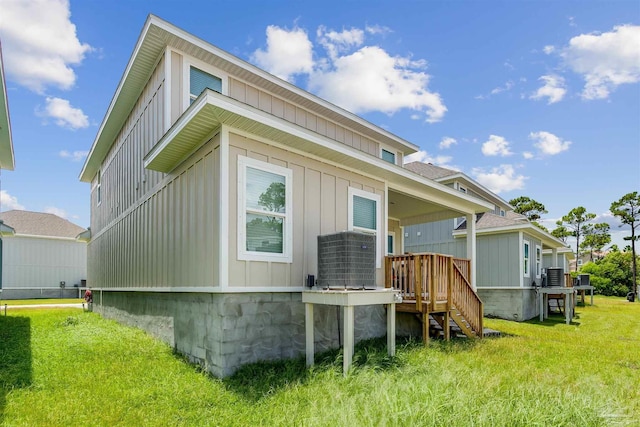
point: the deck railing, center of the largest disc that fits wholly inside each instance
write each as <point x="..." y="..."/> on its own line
<point x="440" y="281"/>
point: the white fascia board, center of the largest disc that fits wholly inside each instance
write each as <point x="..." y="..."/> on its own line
<point x="545" y="237"/>
<point x="35" y="236"/>
<point x="114" y="100"/>
<point x="451" y="198"/>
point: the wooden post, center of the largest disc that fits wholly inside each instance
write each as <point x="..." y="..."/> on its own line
<point x="432" y="282"/>
<point x="445" y="328"/>
<point x="417" y="259"/>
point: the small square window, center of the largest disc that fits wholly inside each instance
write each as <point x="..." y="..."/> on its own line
<point x="388" y="156"/>
<point x="200" y="80"/>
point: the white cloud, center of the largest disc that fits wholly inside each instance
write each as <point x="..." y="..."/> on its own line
<point x="56" y="211"/>
<point x="499" y="179"/>
<point x="553" y="89"/>
<point x="76" y="156"/>
<point x="40" y="44"/>
<point x="548" y="143"/>
<point x="496" y="146"/>
<point x="64" y="114"/>
<point x="605" y="60"/>
<point x="507" y="87"/>
<point x="447" y="142"/>
<point x="527" y="155"/>
<point x="288" y="52"/>
<point x="424" y="157"/>
<point x="9" y="202"/>
<point x="372" y="80"/>
<point x="378" y="29"/>
<point x="351" y="74"/>
<point x="336" y="43"/>
<point x="549" y="49"/>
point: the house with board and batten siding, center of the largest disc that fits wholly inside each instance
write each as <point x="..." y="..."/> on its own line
<point x="43" y="256"/>
<point x="211" y="181"/>
<point x="512" y="253"/>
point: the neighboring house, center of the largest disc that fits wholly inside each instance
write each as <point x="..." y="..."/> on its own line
<point x="586" y="257"/>
<point x="211" y="181"/>
<point x="510" y="261"/>
<point x="41" y="256"/>
<point x="7" y="160"/>
<point x="564" y="258"/>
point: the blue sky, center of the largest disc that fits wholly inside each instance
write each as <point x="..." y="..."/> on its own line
<point x="534" y="98"/>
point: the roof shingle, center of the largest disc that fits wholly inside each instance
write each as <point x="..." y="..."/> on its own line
<point x="40" y="224"/>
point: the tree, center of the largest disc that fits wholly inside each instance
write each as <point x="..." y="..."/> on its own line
<point x="576" y="224"/>
<point x="274" y="197"/>
<point x="596" y="237"/>
<point x="627" y="208"/>
<point x="610" y="275"/>
<point x="561" y="232"/>
<point x="528" y="207"/>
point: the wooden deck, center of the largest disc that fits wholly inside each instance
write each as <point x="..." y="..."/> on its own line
<point x="436" y="286"/>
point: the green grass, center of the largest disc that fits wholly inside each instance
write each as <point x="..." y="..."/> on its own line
<point x="11" y="302"/>
<point x="64" y="367"/>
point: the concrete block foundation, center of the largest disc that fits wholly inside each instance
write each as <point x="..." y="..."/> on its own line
<point x="222" y="332"/>
<point x="517" y="304"/>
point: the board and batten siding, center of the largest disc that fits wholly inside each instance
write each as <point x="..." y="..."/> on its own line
<point x="320" y="206"/>
<point x="528" y="281"/>
<point x="124" y="180"/>
<point x="435" y="237"/>
<point x="169" y="239"/>
<point x="498" y="260"/>
<point x="38" y="262"/>
<point x="286" y="110"/>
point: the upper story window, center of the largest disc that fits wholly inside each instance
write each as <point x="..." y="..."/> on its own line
<point x="264" y="211"/>
<point x="365" y="215"/>
<point x="99" y="189"/>
<point x="502" y="213"/>
<point x="461" y="188"/>
<point x="388" y="156"/>
<point x="526" y="259"/>
<point x="200" y="80"/>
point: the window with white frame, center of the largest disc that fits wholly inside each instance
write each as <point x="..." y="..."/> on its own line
<point x="365" y="215"/>
<point x="264" y="211"/>
<point x="538" y="261"/>
<point x="388" y="156"/>
<point x="99" y="189"/>
<point x="200" y="80"/>
<point x="526" y="259"/>
<point x="390" y="243"/>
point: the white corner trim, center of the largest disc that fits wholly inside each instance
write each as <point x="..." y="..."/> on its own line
<point x="223" y="241"/>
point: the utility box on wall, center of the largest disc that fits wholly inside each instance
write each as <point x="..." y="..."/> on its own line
<point x="347" y="259"/>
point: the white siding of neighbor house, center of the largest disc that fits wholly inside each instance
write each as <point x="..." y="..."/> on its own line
<point x="124" y="180"/>
<point x="320" y="206"/>
<point x="39" y="262"/>
<point x="169" y="238"/>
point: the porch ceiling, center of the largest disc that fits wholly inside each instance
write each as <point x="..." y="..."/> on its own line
<point x="411" y="210"/>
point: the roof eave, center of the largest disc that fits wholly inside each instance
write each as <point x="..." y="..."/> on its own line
<point x="7" y="158"/>
<point x="114" y="118"/>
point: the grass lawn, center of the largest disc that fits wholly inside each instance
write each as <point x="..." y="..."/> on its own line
<point x="11" y="302"/>
<point x="65" y="367"/>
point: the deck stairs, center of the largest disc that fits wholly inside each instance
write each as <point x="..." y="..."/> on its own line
<point x="446" y="296"/>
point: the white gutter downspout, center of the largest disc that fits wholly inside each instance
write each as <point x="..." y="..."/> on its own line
<point x="471" y="246"/>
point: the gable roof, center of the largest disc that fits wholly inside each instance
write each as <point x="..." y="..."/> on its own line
<point x="40" y="224"/>
<point x="444" y="176"/>
<point x="7" y="160"/>
<point x="490" y="223"/>
<point x="156" y="36"/>
<point x="429" y="170"/>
